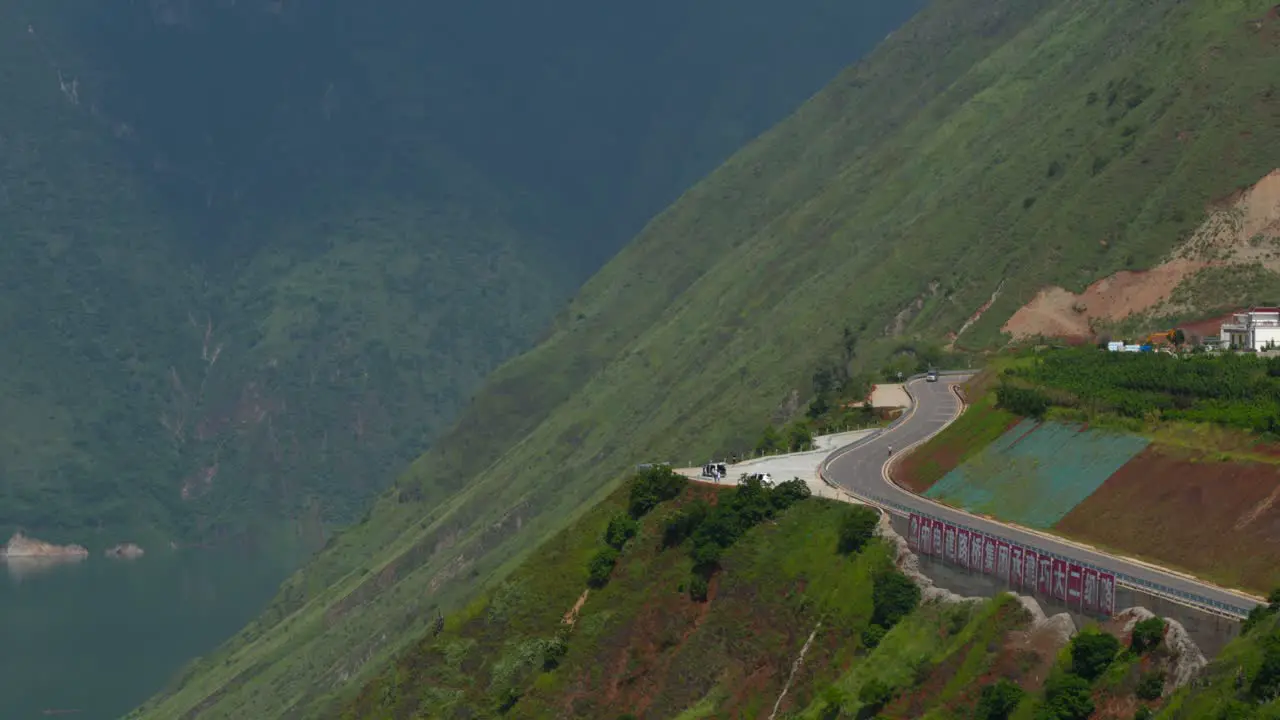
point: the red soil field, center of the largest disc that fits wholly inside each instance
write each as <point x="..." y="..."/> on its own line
<point x="1219" y="520"/>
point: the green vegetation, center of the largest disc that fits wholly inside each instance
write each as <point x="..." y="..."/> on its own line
<point x="1147" y="635"/>
<point x="1092" y="653"/>
<point x="717" y="530"/>
<point x="857" y="528"/>
<point x="1234" y="390"/>
<point x="998" y="700"/>
<point x="641" y="647"/>
<point x="1242" y="682"/>
<point x="894" y="197"/>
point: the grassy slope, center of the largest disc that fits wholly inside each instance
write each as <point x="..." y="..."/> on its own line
<point x="912" y="166"/>
<point x="640" y="643"/>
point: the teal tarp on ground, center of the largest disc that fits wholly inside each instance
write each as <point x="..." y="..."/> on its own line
<point x="1036" y="473"/>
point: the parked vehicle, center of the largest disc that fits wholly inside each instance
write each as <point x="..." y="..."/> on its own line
<point x="765" y="479"/>
<point x="715" y="470"/>
<point x="931" y="376"/>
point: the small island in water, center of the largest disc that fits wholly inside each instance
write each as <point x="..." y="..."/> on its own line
<point x="21" y="546"/>
<point x="127" y="551"/>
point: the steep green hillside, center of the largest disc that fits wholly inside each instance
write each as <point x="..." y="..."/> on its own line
<point x="980" y="144"/>
<point x="258" y="255"/>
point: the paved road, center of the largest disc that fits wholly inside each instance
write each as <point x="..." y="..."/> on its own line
<point x="858" y="468"/>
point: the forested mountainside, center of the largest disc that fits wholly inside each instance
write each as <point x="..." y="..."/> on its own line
<point x="983" y="151"/>
<point x="257" y="255"/>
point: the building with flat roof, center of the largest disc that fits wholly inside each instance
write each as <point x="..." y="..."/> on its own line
<point x="1254" y="329"/>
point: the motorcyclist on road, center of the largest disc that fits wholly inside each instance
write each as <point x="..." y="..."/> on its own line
<point x="890" y="449"/>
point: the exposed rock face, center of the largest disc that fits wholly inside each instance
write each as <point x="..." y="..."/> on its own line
<point x="1185" y="661"/>
<point x="22" y="546"/>
<point x="127" y="551"/>
<point x="1061" y="627"/>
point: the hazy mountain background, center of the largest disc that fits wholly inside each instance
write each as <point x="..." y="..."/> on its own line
<point x="257" y="255"/>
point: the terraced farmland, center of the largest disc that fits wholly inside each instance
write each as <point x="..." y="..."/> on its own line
<point x="1036" y="473"/>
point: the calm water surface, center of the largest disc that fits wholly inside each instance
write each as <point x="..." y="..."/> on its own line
<point x="94" y="639"/>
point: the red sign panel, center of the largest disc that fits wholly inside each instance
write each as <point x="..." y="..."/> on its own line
<point x="1075" y="586"/>
<point x="1059" y="579"/>
<point x="1003" y="556"/>
<point x="1031" y="569"/>
<point x="1106" y="594"/>
<point x="962" y="547"/>
<point x="1044" y="583"/>
<point x="926" y="536"/>
<point x="935" y="544"/>
<point x="913" y="532"/>
<point x="1090" y="600"/>
<point x="949" y="543"/>
<point x="1016" y="566"/>
<point x="989" y="557"/>
<point x="976" y="551"/>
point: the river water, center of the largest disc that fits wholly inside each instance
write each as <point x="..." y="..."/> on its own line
<point x="93" y="639"/>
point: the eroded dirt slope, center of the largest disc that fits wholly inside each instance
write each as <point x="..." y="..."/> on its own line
<point x="1242" y="230"/>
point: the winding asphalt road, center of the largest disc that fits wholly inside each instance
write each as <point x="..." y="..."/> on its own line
<point x="860" y="469"/>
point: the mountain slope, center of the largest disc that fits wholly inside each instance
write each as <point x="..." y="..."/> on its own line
<point x="259" y="255"/>
<point x="792" y="626"/>
<point x="965" y="155"/>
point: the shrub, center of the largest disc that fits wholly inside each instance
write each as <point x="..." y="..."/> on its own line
<point x="872" y="636"/>
<point x="652" y="486"/>
<point x="600" y="567"/>
<point x="1092" y="652"/>
<point x="1027" y="402"/>
<point x="1147" y="635"/>
<point x="998" y="701"/>
<point x="857" y="527"/>
<point x="1266" y="684"/>
<point x="894" y="596"/>
<point x="875" y="694"/>
<point x="1143" y="713"/>
<point x="1066" y="697"/>
<point x="789" y="493"/>
<point x="554" y="651"/>
<point x="799" y="437"/>
<point x="1150" y="686"/>
<point x="681" y="524"/>
<point x="621" y="529"/>
<point x="698" y="588"/>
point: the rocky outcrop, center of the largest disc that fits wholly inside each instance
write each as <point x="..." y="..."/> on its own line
<point x="1185" y="658"/>
<point x="909" y="564"/>
<point x="21" y="546"/>
<point x="126" y="551"/>
<point x="1060" y="627"/>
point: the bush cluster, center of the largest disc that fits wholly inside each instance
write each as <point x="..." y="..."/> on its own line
<point x="652" y="486"/>
<point x="1147" y="635"/>
<point x="711" y="530"/>
<point x="648" y="488"/>
<point x="857" y="527"/>
<point x="998" y="700"/>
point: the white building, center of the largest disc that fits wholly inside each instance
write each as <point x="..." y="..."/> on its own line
<point x="1256" y="329"/>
